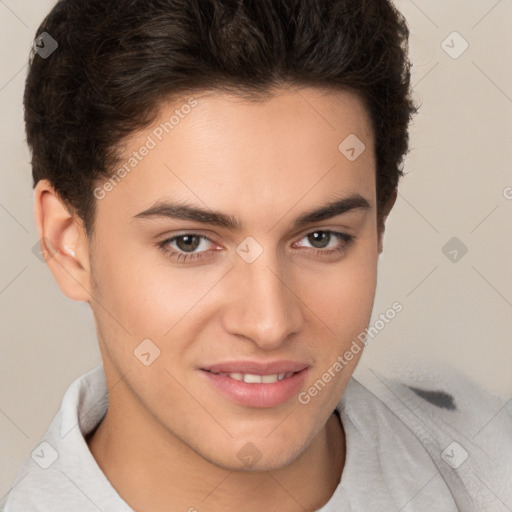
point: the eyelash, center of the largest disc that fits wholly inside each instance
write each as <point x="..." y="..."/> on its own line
<point x="184" y="257"/>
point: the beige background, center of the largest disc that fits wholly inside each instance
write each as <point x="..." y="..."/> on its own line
<point x="458" y="172"/>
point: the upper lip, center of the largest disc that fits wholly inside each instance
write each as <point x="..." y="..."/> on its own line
<point x="257" y="368"/>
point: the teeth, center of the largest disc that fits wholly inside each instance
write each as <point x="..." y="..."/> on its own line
<point x="251" y="378"/>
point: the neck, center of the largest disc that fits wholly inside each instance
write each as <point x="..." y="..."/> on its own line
<point x="152" y="475"/>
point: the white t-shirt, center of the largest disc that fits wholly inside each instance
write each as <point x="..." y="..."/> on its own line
<point x="442" y="448"/>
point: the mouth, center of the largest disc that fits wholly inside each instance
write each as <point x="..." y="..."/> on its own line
<point x="257" y="385"/>
<point x="252" y="378"/>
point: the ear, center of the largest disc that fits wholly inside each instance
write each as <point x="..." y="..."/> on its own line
<point x="64" y="244"/>
<point x="383" y="216"/>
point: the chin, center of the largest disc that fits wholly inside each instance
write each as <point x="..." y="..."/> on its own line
<point x="249" y="456"/>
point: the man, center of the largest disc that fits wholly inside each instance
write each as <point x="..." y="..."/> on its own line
<point x="213" y="178"/>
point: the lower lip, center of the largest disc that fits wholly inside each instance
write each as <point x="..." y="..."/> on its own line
<point x="257" y="395"/>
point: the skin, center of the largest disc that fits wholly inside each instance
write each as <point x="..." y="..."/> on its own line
<point x="169" y="440"/>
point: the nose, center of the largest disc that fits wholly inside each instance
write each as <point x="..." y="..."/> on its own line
<point x="262" y="305"/>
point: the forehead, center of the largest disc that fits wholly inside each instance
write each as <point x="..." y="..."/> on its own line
<point x="291" y="116"/>
<point x="224" y="151"/>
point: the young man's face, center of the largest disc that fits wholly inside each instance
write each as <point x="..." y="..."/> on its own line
<point x="219" y="300"/>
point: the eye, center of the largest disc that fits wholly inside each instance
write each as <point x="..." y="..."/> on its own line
<point x="326" y="242"/>
<point x="186" y="247"/>
<point x="189" y="246"/>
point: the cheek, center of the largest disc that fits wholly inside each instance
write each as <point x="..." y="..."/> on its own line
<point x="155" y="301"/>
<point x="342" y="297"/>
<point x="342" y="304"/>
<point x="151" y="297"/>
<point x="141" y="289"/>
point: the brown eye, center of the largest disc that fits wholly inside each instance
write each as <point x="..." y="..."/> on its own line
<point x="319" y="239"/>
<point x="325" y="243"/>
<point x="188" y="247"/>
<point x="188" y="243"/>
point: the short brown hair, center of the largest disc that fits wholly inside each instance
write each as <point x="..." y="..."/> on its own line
<point x="118" y="60"/>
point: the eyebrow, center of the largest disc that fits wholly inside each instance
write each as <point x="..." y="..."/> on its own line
<point x="166" y="209"/>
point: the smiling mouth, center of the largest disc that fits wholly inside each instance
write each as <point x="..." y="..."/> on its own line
<point x="257" y="387"/>
<point x="252" y="378"/>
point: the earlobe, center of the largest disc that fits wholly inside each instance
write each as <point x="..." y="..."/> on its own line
<point x="64" y="244"/>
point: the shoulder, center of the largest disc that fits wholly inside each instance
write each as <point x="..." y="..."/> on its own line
<point x="466" y="429"/>
<point x="60" y="474"/>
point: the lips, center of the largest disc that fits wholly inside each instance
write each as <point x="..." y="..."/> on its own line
<point x="257" y="368"/>
<point x="257" y="384"/>
<point x="253" y="378"/>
